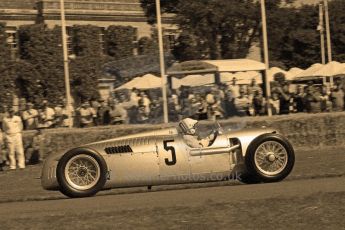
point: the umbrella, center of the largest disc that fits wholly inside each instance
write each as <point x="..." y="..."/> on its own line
<point x="147" y="81"/>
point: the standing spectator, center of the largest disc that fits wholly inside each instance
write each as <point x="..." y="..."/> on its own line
<point x="194" y="106"/>
<point x="210" y="97"/>
<point x="250" y="95"/>
<point x="229" y="104"/>
<point x="202" y="107"/>
<point x="242" y="104"/>
<point x="46" y="115"/>
<point x="145" y="100"/>
<point x="33" y="153"/>
<point x="58" y="110"/>
<point x="285" y="99"/>
<point x="215" y="111"/>
<point x="326" y="104"/>
<point x="143" y="112"/>
<point x="30" y="116"/>
<point x="175" y="103"/>
<point x="312" y="100"/>
<point x="67" y="121"/>
<point x="156" y="110"/>
<point x="275" y="103"/>
<point x="234" y="88"/>
<point x="86" y="115"/>
<point x="299" y="99"/>
<point x="172" y="111"/>
<point x="253" y="88"/>
<point x="337" y="97"/>
<point x="259" y="103"/>
<point x="117" y="114"/>
<point x="95" y="105"/>
<point x="13" y="127"/>
<point x="103" y="113"/>
<point x="134" y="98"/>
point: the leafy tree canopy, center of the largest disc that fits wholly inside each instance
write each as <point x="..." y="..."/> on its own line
<point x="214" y="29"/>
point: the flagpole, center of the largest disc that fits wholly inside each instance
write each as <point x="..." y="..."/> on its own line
<point x="328" y="34"/>
<point x="265" y="43"/>
<point x="162" y="62"/>
<point x="328" y="31"/>
<point x="65" y="60"/>
<point x="322" y="34"/>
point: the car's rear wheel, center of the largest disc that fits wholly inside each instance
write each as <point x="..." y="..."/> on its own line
<point x="81" y="173"/>
<point x="269" y="158"/>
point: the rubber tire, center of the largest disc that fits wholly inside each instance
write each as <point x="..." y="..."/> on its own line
<point x="253" y="174"/>
<point x="64" y="186"/>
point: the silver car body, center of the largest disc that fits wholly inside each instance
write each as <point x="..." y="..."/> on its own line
<point x="162" y="157"/>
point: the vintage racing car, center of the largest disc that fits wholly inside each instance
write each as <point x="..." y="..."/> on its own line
<point x="163" y="157"/>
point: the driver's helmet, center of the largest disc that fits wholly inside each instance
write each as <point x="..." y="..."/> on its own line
<point x="188" y="125"/>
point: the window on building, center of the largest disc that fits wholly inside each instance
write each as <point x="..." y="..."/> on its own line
<point x="101" y="40"/>
<point x="12" y="38"/>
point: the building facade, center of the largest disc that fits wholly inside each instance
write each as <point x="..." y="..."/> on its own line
<point x="102" y="13"/>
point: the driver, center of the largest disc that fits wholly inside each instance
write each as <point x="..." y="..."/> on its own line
<point x="190" y="136"/>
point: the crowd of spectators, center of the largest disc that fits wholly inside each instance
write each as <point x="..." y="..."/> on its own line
<point x="209" y="102"/>
<point x="221" y="102"/>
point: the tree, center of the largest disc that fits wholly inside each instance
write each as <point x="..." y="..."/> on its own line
<point x="85" y="72"/>
<point x="86" y="40"/>
<point x="120" y="40"/>
<point x="337" y="25"/>
<point x="222" y="30"/>
<point x="149" y="6"/>
<point x="4" y="48"/>
<point x="147" y="45"/>
<point x="7" y="83"/>
<point x="85" y="68"/>
<point x="41" y="47"/>
<point x="188" y="47"/>
<point x="294" y="39"/>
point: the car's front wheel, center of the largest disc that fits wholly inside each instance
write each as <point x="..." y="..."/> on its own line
<point x="81" y="173"/>
<point x="269" y="158"/>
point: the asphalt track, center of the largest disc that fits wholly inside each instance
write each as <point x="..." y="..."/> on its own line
<point x="313" y="197"/>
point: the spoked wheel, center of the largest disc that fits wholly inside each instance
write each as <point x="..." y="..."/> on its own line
<point x="81" y="173"/>
<point x="269" y="158"/>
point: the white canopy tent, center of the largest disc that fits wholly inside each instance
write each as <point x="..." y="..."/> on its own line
<point x="320" y="72"/>
<point x="237" y="65"/>
<point x="193" y="80"/>
<point x="182" y="69"/>
<point x="147" y="81"/>
<point x="330" y="69"/>
<point x="295" y="71"/>
<point x="274" y="70"/>
<point x="221" y="71"/>
<point x="310" y="71"/>
<point x="243" y="78"/>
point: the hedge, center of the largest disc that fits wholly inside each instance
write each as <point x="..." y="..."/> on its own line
<point x="303" y="130"/>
